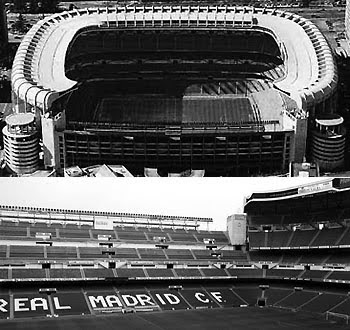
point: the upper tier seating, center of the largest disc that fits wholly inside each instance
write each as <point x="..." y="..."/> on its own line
<point x="314" y="274"/>
<point x="159" y="272"/>
<point x="131" y="234"/>
<point x="290" y="258"/>
<point x="91" y="252"/>
<point x="285" y="273"/>
<point x="3" y="251"/>
<point x="218" y="236"/>
<point x="257" y="256"/>
<point x="339" y="275"/>
<point x="11" y="231"/>
<point x="232" y="255"/>
<point x="27" y="252"/>
<point x="74" y="233"/>
<point x="125" y="253"/>
<point x="130" y="272"/>
<point x="345" y="240"/>
<point x="278" y="238"/>
<point x="59" y="231"/>
<point x="203" y="254"/>
<point x="181" y="236"/>
<point x="144" y="45"/>
<point x="249" y="272"/>
<point x="97" y="232"/>
<point x="28" y="273"/>
<point x="188" y="272"/>
<point x="65" y="273"/>
<point x="154" y="233"/>
<point x="313" y="258"/>
<point x="151" y="254"/>
<point x="214" y="272"/>
<point x="98" y="272"/>
<point x="257" y="239"/>
<point x="38" y="230"/>
<point x="327" y="237"/>
<point x="302" y="237"/>
<point x="61" y="252"/>
<point x="339" y="257"/>
<point x="4" y="274"/>
<point x="179" y="254"/>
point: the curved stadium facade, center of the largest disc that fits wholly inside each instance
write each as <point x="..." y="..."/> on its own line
<point x="230" y="90"/>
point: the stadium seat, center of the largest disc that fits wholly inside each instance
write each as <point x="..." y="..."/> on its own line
<point x="314" y="274"/>
<point x="257" y="239"/>
<point x="249" y="295"/>
<point x="151" y="254"/>
<point x="26" y="252"/>
<point x="323" y="303"/>
<point x="130" y="272"/>
<point x="28" y="273"/>
<point x="278" y="238"/>
<point x="98" y="272"/>
<point x="302" y="237"/>
<point x="159" y="272"/>
<point x="91" y="252"/>
<point x="283" y="273"/>
<point x="328" y="237"/>
<point x="175" y="254"/>
<point x="188" y="272"/>
<point x="77" y="233"/>
<point x="61" y="252"/>
<point x="297" y="299"/>
<point x="339" y="275"/>
<point x="214" y="272"/>
<point x="245" y="273"/>
<point x="3" y="274"/>
<point x="274" y="295"/>
<point x="65" y="273"/>
<point x="3" y="251"/>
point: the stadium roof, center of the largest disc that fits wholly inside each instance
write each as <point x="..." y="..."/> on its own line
<point x="7" y="210"/>
<point x="329" y="184"/>
<point x="38" y="74"/>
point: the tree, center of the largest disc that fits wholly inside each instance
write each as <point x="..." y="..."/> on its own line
<point x="21" y="25"/>
<point x="36" y="6"/>
<point x="49" y="6"/>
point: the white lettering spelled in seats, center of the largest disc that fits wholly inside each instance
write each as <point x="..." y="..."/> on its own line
<point x="160" y="299"/>
<point x="129" y="300"/>
<point x="199" y="296"/>
<point x="20" y="305"/>
<point x="58" y="306"/>
<point x="217" y="296"/>
<point x="172" y="299"/>
<point x="99" y="300"/>
<point x="111" y="300"/>
<point x="38" y="302"/>
<point x="3" y="303"/>
<point x="144" y="299"/>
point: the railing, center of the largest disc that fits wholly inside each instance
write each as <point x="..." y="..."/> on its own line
<point x="162" y="126"/>
<point x="330" y="316"/>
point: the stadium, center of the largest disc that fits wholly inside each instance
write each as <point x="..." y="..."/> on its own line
<point x="169" y="88"/>
<point x="284" y="261"/>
